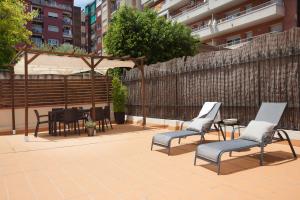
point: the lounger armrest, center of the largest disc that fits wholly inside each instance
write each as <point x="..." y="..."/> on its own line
<point x="267" y="139"/>
<point x="43" y="115"/>
<point x="182" y="123"/>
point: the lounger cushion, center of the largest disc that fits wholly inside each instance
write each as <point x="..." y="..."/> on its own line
<point x="164" y="138"/>
<point x="212" y="151"/>
<point x="200" y="124"/>
<point x="257" y="130"/>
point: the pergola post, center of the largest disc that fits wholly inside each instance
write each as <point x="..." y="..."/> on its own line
<point x="93" y="88"/>
<point x="12" y="78"/>
<point x="26" y="63"/>
<point x="26" y="94"/>
<point x="143" y="92"/>
<point x="107" y="89"/>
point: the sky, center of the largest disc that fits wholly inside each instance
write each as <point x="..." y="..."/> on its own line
<point x="82" y="3"/>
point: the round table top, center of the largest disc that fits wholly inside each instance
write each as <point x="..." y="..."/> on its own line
<point x="230" y="121"/>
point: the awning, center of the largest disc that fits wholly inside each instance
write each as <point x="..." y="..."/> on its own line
<point x="64" y="65"/>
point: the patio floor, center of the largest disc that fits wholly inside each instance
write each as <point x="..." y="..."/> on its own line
<point x="119" y="165"/>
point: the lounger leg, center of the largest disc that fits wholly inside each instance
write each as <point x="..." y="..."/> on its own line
<point x="169" y="149"/>
<point x="219" y="164"/>
<point x="202" y="138"/>
<point x="261" y="155"/>
<point x="219" y="167"/>
<point x="290" y="143"/>
<point x="195" y="159"/>
<point x="152" y="145"/>
<point x="179" y="140"/>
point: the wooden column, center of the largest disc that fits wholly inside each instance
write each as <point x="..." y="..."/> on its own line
<point x="143" y="93"/>
<point x="26" y="92"/>
<point x="66" y="91"/>
<point x="107" y="90"/>
<point x="12" y="78"/>
<point x="93" y="88"/>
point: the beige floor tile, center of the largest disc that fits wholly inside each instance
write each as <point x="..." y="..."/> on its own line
<point x="119" y="165"/>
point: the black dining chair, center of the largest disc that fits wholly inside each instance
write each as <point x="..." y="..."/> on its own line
<point x="107" y="116"/>
<point x="39" y="120"/>
<point x="100" y="116"/>
<point x="69" y="119"/>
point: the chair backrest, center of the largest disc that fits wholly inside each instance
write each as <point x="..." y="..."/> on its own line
<point x="37" y="114"/>
<point x="270" y="112"/>
<point x="100" y="114"/>
<point x="70" y="115"/>
<point x="214" y="111"/>
<point x="107" y="112"/>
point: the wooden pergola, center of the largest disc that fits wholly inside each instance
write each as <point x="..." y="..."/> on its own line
<point x="91" y="60"/>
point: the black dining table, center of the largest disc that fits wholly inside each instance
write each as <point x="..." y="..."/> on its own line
<point x="55" y="115"/>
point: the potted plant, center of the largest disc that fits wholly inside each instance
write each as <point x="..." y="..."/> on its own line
<point x="90" y="127"/>
<point x="119" y="96"/>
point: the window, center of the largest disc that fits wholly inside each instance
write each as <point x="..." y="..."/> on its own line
<point x="249" y="35"/>
<point x="248" y="7"/>
<point x="52" y="14"/>
<point x="276" y="28"/>
<point x="236" y="39"/>
<point x="99" y="13"/>
<point x="52" y="28"/>
<point x="53" y="42"/>
<point x="37" y="41"/>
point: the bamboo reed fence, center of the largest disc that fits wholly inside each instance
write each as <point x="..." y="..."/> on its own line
<point x="263" y="70"/>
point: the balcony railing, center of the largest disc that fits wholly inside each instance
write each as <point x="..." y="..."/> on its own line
<point x="67" y="33"/>
<point x="37" y="30"/>
<point x="53" y="4"/>
<point x="243" y="41"/>
<point x="237" y="15"/>
<point x="67" y="21"/>
<point x="198" y="5"/>
<point x="38" y="18"/>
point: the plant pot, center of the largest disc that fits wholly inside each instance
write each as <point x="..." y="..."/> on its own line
<point x="119" y="117"/>
<point x="90" y="131"/>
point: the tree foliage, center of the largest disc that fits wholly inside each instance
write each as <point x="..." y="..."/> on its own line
<point x="64" y="48"/>
<point x="13" y="31"/>
<point x="144" y="33"/>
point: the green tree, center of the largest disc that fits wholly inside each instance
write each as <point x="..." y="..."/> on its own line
<point x="64" y="48"/>
<point x="13" y="20"/>
<point x="144" y="33"/>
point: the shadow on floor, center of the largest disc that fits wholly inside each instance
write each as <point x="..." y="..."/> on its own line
<point x="242" y="163"/>
<point x="117" y="130"/>
<point x="182" y="148"/>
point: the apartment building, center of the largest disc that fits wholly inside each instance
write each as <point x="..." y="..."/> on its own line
<point x="83" y="31"/>
<point x="98" y="15"/>
<point x="58" y="22"/>
<point x="229" y="23"/>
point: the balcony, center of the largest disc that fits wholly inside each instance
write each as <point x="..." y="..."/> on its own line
<point x="204" y="9"/>
<point x="67" y="33"/>
<point x="268" y="11"/>
<point x="37" y="30"/>
<point x="173" y="4"/>
<point x="67" y="21"/>
<point x="52" y="4"/>
<point x="193" y="13"/>
<point x="38" y="18"/>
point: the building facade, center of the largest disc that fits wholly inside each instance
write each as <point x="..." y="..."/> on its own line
<point x="229" y="23"/>
<point x="58" y="22"/>
<point x="97" y="16"/>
